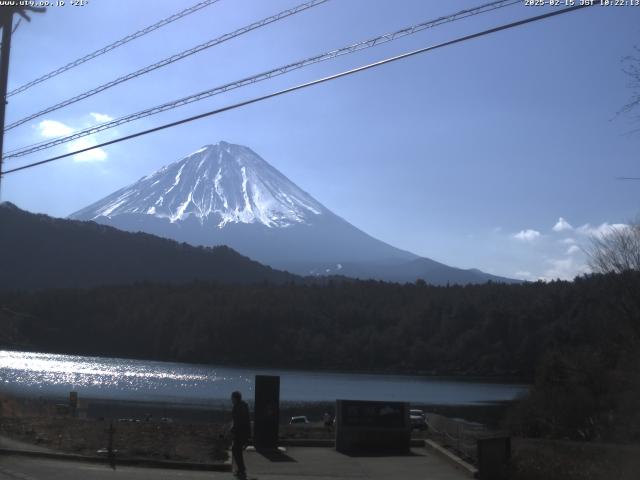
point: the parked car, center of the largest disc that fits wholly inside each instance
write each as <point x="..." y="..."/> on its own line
<point x="299" y="420"/>
<point x="417" y="419"/>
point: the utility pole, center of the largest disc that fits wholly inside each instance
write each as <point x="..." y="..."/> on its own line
<point x="6" y="21"/>
<point x="7" y="26"/>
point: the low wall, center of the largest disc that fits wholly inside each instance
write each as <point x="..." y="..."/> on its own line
<point x="372" y="427"/>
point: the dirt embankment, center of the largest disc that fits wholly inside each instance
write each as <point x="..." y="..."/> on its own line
<point x="180" y="442"/>
<point x="47" y="424"/>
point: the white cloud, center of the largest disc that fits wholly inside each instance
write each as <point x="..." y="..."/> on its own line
<point x="573" y="249"/>
<point x="546" y="255"/>
<point x="53" y="128"/>
<point x="562" y="225"/>
<point x="95" y="155"/>
<point x="564" y="269"/>
<point x="101" y="117"/>
<point x="523" y="274"/>
<point x="527" y="235"/>
<point x="600" y="231"/>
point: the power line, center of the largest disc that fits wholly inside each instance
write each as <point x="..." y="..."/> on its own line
<point x="114" y="45"/>
<point x="19" y="149"/>
<point x="309" y="84"/>
<point x="169" y="60"/>
<point x="263" y="76"/>
<point x="388" y="37"/>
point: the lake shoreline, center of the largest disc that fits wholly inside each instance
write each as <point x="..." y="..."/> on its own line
<point x="461" y="376"/>
<point x="217" y="411"/>
<point x="179" y="386"/>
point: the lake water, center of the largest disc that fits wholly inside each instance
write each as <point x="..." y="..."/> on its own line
<point x="50" y="375"/>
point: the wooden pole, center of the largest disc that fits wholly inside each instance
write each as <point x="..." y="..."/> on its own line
<point x="7" y="25"/>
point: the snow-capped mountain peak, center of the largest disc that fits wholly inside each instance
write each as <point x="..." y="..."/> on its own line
<point x="226" y="194"/>
<point x="223" y="183"/>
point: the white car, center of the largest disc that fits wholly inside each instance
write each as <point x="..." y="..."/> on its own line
<point x="417" y="419"/>
<point x="299" y="420"/>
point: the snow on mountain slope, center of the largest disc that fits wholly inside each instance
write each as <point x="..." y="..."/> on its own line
<point x="223" y="182"/>
<point x="226" y="194"/>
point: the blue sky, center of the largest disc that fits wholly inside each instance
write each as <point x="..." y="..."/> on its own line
<point x="469" y="155"/>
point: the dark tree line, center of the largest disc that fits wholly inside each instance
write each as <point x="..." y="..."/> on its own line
<point x="490" y="329"/>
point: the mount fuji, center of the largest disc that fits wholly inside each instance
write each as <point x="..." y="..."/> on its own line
<point x="227" y="194"/>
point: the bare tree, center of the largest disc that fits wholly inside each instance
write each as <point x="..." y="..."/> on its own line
<point x="631" y="67"/>
<point x="617" y="250"/>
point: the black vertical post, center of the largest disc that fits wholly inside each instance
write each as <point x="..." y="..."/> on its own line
<point x="73" y="403"/>
<point x="111" y="454"/>
<point x="267" y="412"/>
<point x="494" y="456"/>
<point x="7" y="25"/>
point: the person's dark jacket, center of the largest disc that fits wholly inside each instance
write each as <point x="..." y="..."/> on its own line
<point x="241" y="422"/>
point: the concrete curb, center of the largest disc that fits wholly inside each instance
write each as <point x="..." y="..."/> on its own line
<point x="453" y="459"/>
<point x="308" y="442"/>
<point x="131" y="462"/>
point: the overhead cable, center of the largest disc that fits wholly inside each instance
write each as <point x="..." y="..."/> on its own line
<point x="369" y="43"/>
<point x="101" y="51"/>
<point x="169" y="60"/>
<point x="308" y="84"/>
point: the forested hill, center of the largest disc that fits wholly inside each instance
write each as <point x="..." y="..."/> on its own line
<point x="490" y="329"/>
<point x="38" y="251"/>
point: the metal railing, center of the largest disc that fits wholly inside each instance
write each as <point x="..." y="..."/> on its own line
<point x="458" y="435"/>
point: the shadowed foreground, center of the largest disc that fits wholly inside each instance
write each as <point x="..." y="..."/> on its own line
<point x="316" y="463"/>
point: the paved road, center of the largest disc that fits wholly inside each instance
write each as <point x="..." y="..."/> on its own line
<point x="24" y="468"/>
<point x="11" y="444"/>
<point x="296" y="463"/>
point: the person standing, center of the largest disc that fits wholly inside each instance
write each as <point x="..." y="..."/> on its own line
<point x="241" y="431"/>
<point x="327" y="422"/>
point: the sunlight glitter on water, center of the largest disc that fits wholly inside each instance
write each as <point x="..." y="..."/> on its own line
<point x="54" y="375"/>
<point x="28" y="370"/>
